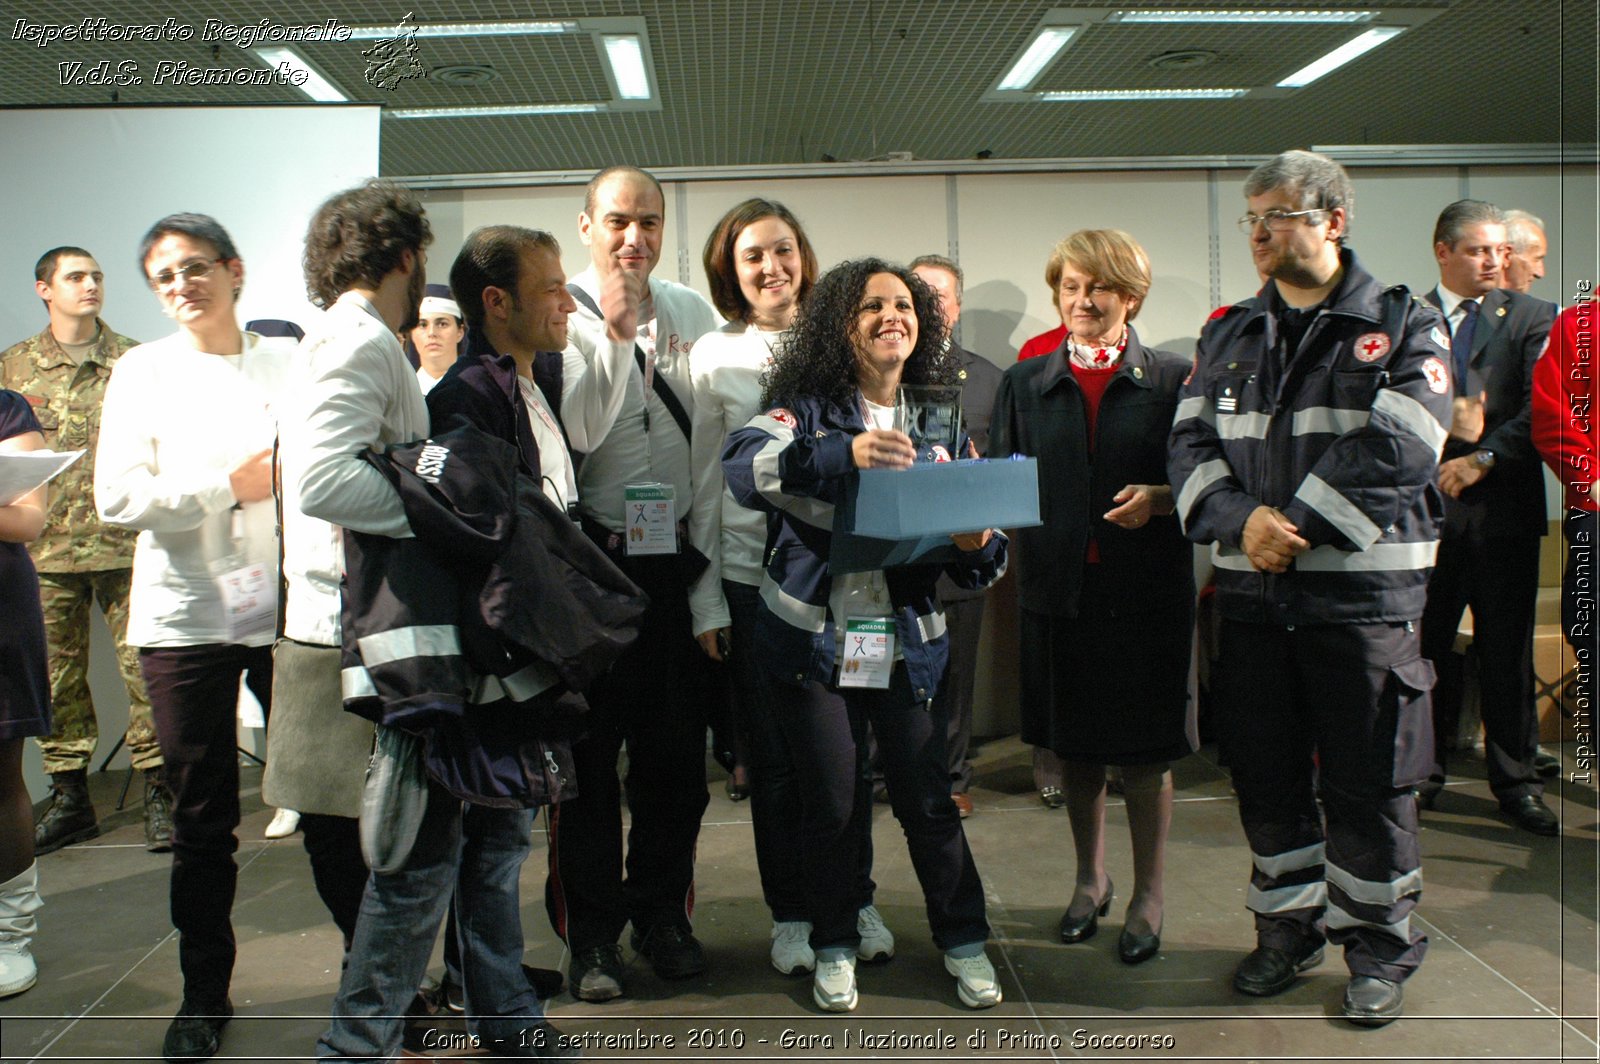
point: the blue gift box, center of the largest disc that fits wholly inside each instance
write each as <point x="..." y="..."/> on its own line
<point x="888" y="517"/>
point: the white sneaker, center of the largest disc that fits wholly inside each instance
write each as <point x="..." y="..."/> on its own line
<point x="975" y="981"/>
<point x="17" y="969"/>
<point x="285" y="822"/>
<point x="791" y="947"/>
<point x="834" y="987"/>
<point x="877" y="943"/>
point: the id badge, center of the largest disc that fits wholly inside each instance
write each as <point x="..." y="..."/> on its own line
<point x="868" y="652"/>
<point x="652" y="519"/>
<point x="249" y="601"/>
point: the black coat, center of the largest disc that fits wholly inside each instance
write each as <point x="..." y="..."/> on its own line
<point x="1508" y="339"/>
<point x="980" y="381"/>
<point x="1040" y="412"/>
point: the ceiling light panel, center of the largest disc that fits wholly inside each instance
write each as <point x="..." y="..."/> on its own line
<point x="466" y="29"/>
<point x="1283" y="17"/>
<point x="1078" y="95"/>
<point x="1346" y="53"/>
<point x="625" y="53"/>
<point x="307" y="78"/>
<point x="1038" y="55"/>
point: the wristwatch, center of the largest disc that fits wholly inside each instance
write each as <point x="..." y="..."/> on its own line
<point x="1483" y="459"/>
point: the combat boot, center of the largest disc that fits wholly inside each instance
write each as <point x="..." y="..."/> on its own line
<point x="157" y="812"/>
<point x="70" y="817"/>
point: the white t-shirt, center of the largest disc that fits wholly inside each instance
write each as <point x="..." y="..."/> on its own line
<point x="556" y="475"/>
<point x="860" y="595"/>
<point x="176" y="422"/>
<point x="725" y="379"/>
<point x="627" y="437"/>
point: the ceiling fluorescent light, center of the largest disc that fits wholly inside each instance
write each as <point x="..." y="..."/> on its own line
<point x="466" y="29"/>
<point x="625" y="53"/>
<point x="500" y="111"/>
<point x="1244" y="16"/>
<point x="306" y="78"/>
<point x="1038" y="55"/>
<point x="1350" y="50"/>
<point x="1074" y="95"/>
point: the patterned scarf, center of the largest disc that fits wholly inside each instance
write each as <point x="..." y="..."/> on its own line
<point x="1086" y="356"/>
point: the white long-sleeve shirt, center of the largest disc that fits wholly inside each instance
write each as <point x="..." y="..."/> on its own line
<point x="352" y="390"/>
<point x="603" y="402"/>
<point x="175" y="423"/>
<point x="725" y="380"/>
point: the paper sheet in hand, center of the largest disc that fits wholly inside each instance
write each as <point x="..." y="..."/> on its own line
<point x="23" y="471"/>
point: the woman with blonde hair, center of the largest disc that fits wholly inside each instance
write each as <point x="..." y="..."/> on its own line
<point x="1106" y="582"/>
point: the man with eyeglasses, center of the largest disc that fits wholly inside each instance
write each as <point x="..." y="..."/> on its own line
<point x="63" y="372"/>
<point x="1304" y="451"/>
<point x="1494" y="513"/>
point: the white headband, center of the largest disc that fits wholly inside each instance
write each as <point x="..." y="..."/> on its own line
<point x="439" y="305"/>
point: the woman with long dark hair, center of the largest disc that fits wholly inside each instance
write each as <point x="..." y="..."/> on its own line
<point x="867" y="327"/>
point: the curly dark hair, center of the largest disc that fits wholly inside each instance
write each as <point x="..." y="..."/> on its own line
<point x="817" y="357"/>
<point x="359" y="235"/>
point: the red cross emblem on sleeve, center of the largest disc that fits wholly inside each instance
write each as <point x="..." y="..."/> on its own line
<point x="1371" y="346"/>
<point x="1438" y="376"/>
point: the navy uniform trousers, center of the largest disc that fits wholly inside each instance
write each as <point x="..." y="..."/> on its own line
<point x="1340" y="712"/>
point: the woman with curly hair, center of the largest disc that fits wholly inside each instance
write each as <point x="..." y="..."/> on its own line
<point x="840" y="651"/>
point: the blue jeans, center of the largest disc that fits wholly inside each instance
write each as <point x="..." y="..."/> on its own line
<point x="476" y="852"/>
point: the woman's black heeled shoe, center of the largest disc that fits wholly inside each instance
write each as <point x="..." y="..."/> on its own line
<point x="1136" y="949"/>
<point x="1082" y="928"/>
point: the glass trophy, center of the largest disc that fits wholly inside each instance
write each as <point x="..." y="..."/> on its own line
<point x="931" y="416"/>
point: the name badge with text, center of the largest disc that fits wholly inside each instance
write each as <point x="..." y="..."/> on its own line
<point x="868" y="652"/>
<point x="651" y="517"/>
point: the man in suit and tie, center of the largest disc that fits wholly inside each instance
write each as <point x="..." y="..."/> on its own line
<point x="1494" y="510"/>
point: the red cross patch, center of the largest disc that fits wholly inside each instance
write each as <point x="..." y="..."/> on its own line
<point x="1371" y="347"/>
<point x="784" y="418"/>
<point x="1438" y="376"/>
<point x="940" y="454"/>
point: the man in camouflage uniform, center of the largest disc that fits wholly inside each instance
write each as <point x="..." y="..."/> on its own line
<point x="63" y="373"/>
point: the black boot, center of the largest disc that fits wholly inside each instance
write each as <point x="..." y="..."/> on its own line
<point x="157" y="812"/>
<point x="70" y="817"/>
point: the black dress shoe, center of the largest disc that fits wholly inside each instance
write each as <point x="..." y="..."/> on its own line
<point x="1372" y="1002"/>
<point x="1136" y="949"/>
<point x="1269" y="970"/>
<point x="196" y="1032"/>
<point x="546" y="982"/>
<point x="595" y="974"/>
<point x="1082" y="928"/>
<point x="1531" y="814"/>
<point x="1546" y="765"/>
<point x="672" y="951"/>
<point x="1427" y="793"/>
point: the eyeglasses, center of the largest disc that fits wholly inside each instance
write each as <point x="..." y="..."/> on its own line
<point x="189" y="271"/>
<point x="1276" y="221"/>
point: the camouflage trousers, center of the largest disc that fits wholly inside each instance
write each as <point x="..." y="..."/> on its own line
<point x="66" y="598"/>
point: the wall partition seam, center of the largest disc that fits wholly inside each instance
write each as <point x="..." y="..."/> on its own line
<point x="1214" y="236"/>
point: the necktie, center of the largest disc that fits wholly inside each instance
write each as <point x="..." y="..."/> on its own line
<point x="1461" y="343"/>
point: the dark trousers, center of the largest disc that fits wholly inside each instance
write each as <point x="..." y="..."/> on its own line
<point x="1499" y="578"/>
<point x="654" y="701"/>
<point x="824" y="730"/>
<point x="1356" y="697"/>
<point x="963" y="619"/>
<point x="776" y="788"/>
<point x="194" y="696"/>
<point x="1578" y="586"/>
<point x="333" y="844"/>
